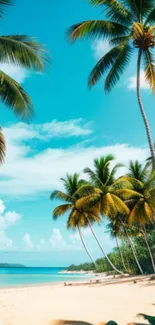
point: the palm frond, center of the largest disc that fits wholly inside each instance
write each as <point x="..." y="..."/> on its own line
<point x="111" y="205"/>
<point x="115" y="10"/>
<point x="88" y="202"/>
<point x="139" y="9"/>
<point x="136" y="170"/>
<point x="96" y="28"/>
<point x="61" y="210"/>
<point x="93" y="177"/>
<point x="103" y="65"/>
<point x="2" y="146"/>
<point x="149" y="68"/>
<point x="118" y="66"/>
<point x="127" y="194"/>
<point x="58" y="195"/>
<point x="23" y="50"/>
<point x="150" y="19"/>
<point x="71" y="183"/>
<point x="14" y="96"/>
<point x="119" y="40"/>
<point x="84" y="190"/>
<point x="4" y="4"/>
<point x="141" y="213"/>
<point x="113" y="172"/>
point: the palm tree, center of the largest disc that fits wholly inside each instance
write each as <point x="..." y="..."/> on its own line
<point x="129" y="27"/>
<point x="77" y="218"/>
<point x="103" y="180"/>
<point x="104" y="197"/>
<point x="145" y="185"/>
<point x="24" y="51"/>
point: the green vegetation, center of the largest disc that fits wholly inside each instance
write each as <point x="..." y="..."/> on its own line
<point x="127" y="203"/>
<point x="8" y="265"/>
<point x="129" y="29"/>
<point x="131" y="266"/>
<point x="24" y="51"/>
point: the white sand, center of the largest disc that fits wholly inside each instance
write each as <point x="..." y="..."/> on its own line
<point x="94" y="304"/>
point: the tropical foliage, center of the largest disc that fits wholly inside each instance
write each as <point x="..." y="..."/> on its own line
<point x="127" y="205"/>
<point x="24" y="51"/>
<point x="128" y="27"/>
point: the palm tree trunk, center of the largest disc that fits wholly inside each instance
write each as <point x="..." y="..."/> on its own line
<point x="148" y="131"/>
<point x="103" y="251"/>
<point x="85" y="247"/>
<point x="132" y="247"/>
<point x="121" y="255"/>
<point x="148" y="247"/>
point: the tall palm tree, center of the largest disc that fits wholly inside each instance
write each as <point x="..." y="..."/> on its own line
<point x="145" y="184"/>
<point x="104" y="197"/>
<point x="77" y="218"/>
<point x="129" y="27"/>
<point x="19" y="50"/>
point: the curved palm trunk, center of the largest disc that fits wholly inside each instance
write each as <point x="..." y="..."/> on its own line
<point x="121" y="255"/>
<point x="103" y="251"/>
<point x="133" y="249"/>
<point x="148" y="247"/>
<point x="148" y="131"/>
<point x="85" y="247"/>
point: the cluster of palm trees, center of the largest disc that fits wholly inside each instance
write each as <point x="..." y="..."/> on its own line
<point x="127" y="202"/>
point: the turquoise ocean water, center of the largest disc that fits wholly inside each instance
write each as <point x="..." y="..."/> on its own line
<point x="10" y="277"/>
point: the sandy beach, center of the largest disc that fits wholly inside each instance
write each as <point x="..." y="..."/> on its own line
<point x="93" y="303"/>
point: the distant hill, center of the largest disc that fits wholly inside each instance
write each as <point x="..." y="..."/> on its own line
<point x="7" y="265"/>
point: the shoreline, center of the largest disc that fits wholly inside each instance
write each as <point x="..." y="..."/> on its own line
<point x="93" y="304"/>
<point x="108" y="280"/>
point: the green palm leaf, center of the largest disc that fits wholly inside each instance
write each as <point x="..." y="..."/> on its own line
<point x="14" y="96"/>
<point x="150" y="18"/>
<point x="139" y="8"/>
<point x="58" y="195"/>
<point x="118" y="66"/>
<point x="127" y="194"/>
<point x="149" y="68"/>
<point x="115" y="10"/>
<point x="103" y="65"/>
<point x="61" y="210"/>
<point x="111" y="205"/>
<point x="23" y="50"/>
<point x="3" y="6"/>
<point x="141" y="213"/>
<point x="96" y="28"/>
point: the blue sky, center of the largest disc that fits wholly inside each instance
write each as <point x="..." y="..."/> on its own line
<point x="72" y="126"/>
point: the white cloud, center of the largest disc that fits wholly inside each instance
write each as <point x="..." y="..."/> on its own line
<point x="11" y="217"/>
<point x="27" y="171"/>
<point x="56" y="240"/>
<point x="14" y="71"/>
<point x="28" y="241"/>
<point x="2" y="207"/>
<point x="5" y="242"/>
<point x="99" y="48"/>
<point x="7" y="220"/>
<point x="132" y="82"/>
<point x="46" y="131"/>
